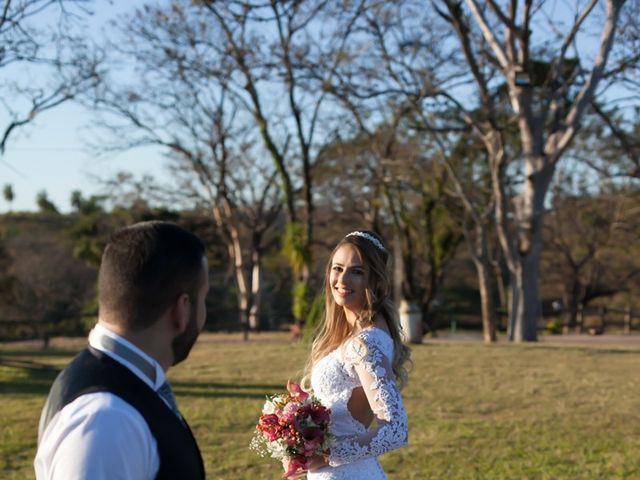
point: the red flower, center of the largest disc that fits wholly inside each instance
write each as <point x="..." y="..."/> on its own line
<point x="296" y="421"/>
<point x="320" y="414"/>
<point x="269" y="424"/>
<point x="313" y="437"/>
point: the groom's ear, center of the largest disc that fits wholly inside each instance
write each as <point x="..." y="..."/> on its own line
<point x="180" y="313"/>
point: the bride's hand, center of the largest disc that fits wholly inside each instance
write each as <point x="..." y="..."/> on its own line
<point x="316" y="463"/>
<point x="301" y="474"/>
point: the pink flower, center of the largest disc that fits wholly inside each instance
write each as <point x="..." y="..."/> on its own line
<point x="292" y="465"/>
<point x="293" y="428"/>
<point x="289" y="412"/>
<point x="297" y="392"/>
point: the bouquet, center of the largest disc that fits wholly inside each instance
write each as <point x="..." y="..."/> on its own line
<point x="293" y="428"/>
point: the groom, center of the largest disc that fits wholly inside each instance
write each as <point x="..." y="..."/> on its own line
<point x="111" y="413"/>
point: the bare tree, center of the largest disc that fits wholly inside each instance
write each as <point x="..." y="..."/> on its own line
<point x="40" y="67"/>
<point x="178" y="103"/>
<point x="50" y="287"/>
<point x="270" y="48"/>
<point x="398" y="65"/>
<point x="591" y="245"/>
<point x="609" y="143"/>
<point x="397" y="188"/>
<point x="549" y="83"/>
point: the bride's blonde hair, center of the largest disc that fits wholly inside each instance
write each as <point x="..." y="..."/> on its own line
<point x="335" y="329"/>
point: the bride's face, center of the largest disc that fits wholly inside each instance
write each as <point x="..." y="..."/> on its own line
<point x="348" y="278"/>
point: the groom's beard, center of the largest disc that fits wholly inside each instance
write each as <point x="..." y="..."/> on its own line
<point x="183" y="343"/>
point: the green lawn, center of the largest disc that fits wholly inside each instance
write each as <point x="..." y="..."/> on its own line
<point x="475" y="412"/>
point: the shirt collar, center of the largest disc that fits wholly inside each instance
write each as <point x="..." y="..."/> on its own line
<point x="127" y="354"/>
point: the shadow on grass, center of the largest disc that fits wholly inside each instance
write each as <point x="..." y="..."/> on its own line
<point x="40" y="376"/>
<point x="54" y="352"/>
<point x="27" y="387"/>
<point x="38" y="383"/>
<point x="224" y="390"/>
<point x="26" y="364"/>
<point x="38" y="380"/>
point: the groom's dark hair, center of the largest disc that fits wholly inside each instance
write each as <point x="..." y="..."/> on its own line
<point x="145" y="268"/>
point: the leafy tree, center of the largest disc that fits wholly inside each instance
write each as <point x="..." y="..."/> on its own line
<point x="50" y="288"/>
<point x="91" y="227"/>
<point x="8" y="194"/>
<point x="44" y="204"/>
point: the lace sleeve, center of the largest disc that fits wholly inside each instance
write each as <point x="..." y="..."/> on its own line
<point x="366" y="354"/>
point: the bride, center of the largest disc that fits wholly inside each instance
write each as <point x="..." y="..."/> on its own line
<point x="356" y="366"/>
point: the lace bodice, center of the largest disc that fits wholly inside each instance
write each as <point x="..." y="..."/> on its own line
<point x="365" y="361"/>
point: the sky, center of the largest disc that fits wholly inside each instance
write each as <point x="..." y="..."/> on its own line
<point x="51" y="154"/>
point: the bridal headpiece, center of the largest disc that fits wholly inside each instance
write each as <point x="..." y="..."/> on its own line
<point x="377" y="243"/>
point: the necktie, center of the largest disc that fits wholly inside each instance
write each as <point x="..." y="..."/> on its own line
<point x="166" y="394"/>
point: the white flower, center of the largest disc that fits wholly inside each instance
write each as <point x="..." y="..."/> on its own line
<point x="278" y="449"/>
<point x="269" y="407"/>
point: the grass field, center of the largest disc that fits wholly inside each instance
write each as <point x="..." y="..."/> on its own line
<point x="475" y="412"/>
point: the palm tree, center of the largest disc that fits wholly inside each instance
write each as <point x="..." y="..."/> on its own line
<point x="9" y="196"/>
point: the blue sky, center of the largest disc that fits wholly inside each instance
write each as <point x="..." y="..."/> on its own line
<point x="51" y="153"/>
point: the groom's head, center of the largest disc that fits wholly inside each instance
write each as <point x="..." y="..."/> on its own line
<point x="154" y="271"/>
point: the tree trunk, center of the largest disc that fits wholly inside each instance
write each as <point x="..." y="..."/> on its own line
<point x="527" y="310"/>
<point x="256" y="291"/>
<point x="571" y="302"/>
<point x="580" y="318"/>
<point x="502" y="293"/>
<point x="483" y="268"/>
<point x="398" y="268"/>
<point x="244" y="294"/>
<point x="243" y="304"/>
<point x="513" y="301"/>
<point x="523" y="246"/>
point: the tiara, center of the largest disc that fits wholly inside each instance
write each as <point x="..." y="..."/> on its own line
<point x="371" y="238"/>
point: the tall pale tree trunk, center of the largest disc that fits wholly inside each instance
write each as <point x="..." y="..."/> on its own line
<point x="244" y="292"/>
<point x="526" y="249"/>
<point x="486" y="301"/>
<point x="484" y="269"/>
<point x="256" y="291"/>
<point x="227" y="224"/>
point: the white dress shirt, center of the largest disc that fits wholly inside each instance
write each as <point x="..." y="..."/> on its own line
<point x="99" y="436"/>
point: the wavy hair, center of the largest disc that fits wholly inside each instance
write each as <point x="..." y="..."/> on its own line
<point x="335" y="329"/>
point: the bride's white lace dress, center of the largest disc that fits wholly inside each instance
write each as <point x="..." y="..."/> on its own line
<point x="363" y="361"/>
